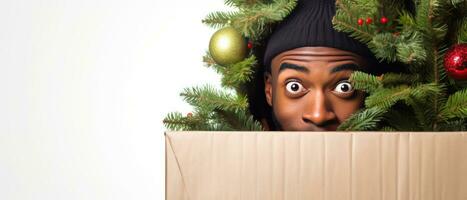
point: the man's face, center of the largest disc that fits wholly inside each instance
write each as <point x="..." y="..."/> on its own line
<point x="309" y="89"/>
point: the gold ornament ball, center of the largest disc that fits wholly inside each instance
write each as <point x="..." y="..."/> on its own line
<point x="227" y="46"/>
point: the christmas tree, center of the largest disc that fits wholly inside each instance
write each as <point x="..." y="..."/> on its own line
<point x="427" y="37"/>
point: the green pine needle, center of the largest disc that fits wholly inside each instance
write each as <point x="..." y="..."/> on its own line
<point x="237" y="74"/>
<point x="388" y="129"/>
<point x="462" y="36"/>
<point x="394" y="79"/>
<point x="402" y="119"/>
<point x="365" y="82"/>
<point x="210" y="98"/>
<point x="252" y="21"/>
<point x="386" y="97"/>
<point x="177" y="122"/>
<point x="239" y="121"/>
<point x="410" y="48"/>
<point x="242" y="3"/>
<point x="456" y="106"/>
<point x="365" y="120"/>
<point x="384" y="47"/>
<point x="219" y="19"/>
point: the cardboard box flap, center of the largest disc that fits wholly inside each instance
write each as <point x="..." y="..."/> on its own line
<point x="316" y="165"/>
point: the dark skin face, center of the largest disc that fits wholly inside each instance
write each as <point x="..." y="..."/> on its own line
<point x="309" y="90"/>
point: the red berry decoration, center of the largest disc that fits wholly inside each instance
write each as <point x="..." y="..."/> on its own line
<point x="384" y="20"/>
<point x="360" y="21"/>
<point x="369" y="20"/>
<point x="250" y="45"/>
<point x="455" y="61"/>
<point x="189" y="114"/>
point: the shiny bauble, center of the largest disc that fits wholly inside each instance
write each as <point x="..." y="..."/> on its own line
<point x="228" y="46"/>
<point x="455" y="62"/>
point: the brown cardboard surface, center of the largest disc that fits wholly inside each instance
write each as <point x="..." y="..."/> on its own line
<point x="316" y="165"/>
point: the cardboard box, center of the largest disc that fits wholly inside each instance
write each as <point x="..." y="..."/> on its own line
<point x="316" y="165"/>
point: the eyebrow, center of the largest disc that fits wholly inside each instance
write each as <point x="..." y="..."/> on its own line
<point x="349" y="66"/>
<point x="293" y="67"/>
<point x="343" y="67"/>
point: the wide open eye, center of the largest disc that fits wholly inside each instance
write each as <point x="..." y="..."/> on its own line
<point x="294" y="87"/>
<point x="344" y="87"/>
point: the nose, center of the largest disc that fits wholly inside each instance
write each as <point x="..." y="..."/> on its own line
<point x="317" y="110"/>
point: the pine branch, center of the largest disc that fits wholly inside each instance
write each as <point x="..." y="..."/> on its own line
<point x="462" y="33"/>
<point x="456" y="106"/>
<point x="365" y="120"/>
<point x="210" y="98"/>
<point x="422" y="99"/>
<point x="420" y="44"/>
<point x="437" y="61"/>
<point x="391" y="8"/>
<point x="402" y="119"/>
<point x="387" y="97"/>
<point x="253" y="22"/>
<point x="239" y="73"/>
<point x="219" y="19"/>
<point x="211" y="63"/>
<point x="454" y="125"/>
<point x="429" y="19"/>
<point x="234" y="75"/>
<point x="393" y="79"/>
<point x="346" y="23"/>
<point x="425" y="14"/>
<point x="419" y="110"/>
<point x="421" y="92"/>
<point x="410" y="48"/>
<point x="252" y="19"/>
<point x="388" y="129"/>
<point x="365" y="82"/>
<point x="208" y="60"/>
<point x="242" y="3"/>
<point x="407" y="21"/>
<point x="384" y="47"/>
<point x="441" y="74"/>
<point x="177" y="122"/>
<point x="457" y="3"/>
<point x="239" y="120"/>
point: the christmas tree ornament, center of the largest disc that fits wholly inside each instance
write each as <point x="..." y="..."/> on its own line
<point x="384" y="20"/>
<point x="360" y="21"/>
<point x="369" y="20"/>
<point x="455" y="62"/>
<point x="250" y="45"/>
<point x="227" y="46"/>
<point x="189" y="114"/>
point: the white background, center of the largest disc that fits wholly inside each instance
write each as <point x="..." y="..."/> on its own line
<point x="84" y="86"/>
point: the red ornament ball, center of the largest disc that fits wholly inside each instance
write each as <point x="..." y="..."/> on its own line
<point x="455" y="61"/>
<point x="189" y="114"/>
<point x="360" y="21"/>
<point x="250" y="45"/>
<point x="369" y="20"/>
<point x="384" y="20"/>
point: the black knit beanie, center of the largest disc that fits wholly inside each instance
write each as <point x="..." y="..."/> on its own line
<point x="310" y="24"/>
